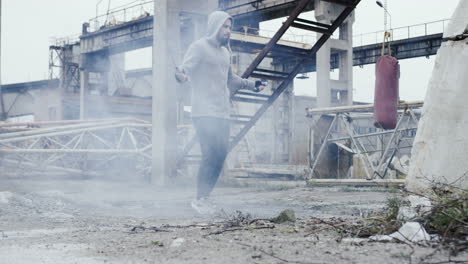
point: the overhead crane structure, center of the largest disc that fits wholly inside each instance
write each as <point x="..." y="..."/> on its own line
<point x="410" y="42"/>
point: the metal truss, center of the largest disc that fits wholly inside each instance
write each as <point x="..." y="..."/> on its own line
<point x="87" y="148"/>
<point x="64" y="67"/>
<point x="391" y="141"/>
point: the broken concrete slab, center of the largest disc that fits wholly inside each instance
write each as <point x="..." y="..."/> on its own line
<point x="411" y="232"/>
<point x="287" y="215"/>
<point x="418" y="206"/>
<point x="177" y="242"/>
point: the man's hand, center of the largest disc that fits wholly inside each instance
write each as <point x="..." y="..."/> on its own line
<point x="180" y="76"/>
<point x="260" y="86"/>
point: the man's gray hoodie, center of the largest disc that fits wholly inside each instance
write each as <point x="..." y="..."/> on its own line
<point x="208" y="67"/>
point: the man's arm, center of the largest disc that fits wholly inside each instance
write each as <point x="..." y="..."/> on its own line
<point x="191" y="60"/>
<point x="235" y="83"/>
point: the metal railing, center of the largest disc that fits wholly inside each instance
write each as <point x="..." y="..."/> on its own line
<point x="141" y="8"/>
<point x="125" y="13"/>
<point x="406" y="32"/>
<point x="288" y="36"/>
<point x="62" y="41"/>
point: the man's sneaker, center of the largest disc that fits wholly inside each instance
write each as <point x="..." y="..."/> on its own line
<point x="204" y="206"/>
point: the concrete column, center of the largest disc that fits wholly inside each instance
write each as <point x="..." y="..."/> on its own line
<point x="440" y="148"/>
<point x="116" y="74"/>
<point x="61" y="87"/>
<point x="323" y="76"/>
<point x="346" y="63"/>
<point x="290" y="119"/>
<point x="335" y="92"/>
<point x="164" y="108"/>
<point x="288" y="126"/>
<point x="281" y="121"/>
<point x="84" y="87"/>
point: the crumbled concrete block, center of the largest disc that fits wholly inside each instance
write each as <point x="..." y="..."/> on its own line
<point x="177" y="242"/>
<point x="421" y="204"/>
<point x="287" y="215"/>
<point x="418" y="207"/>
<point x="411" y="231"/>
<point x="381" y="238"/>
<point x="406" y="213"/>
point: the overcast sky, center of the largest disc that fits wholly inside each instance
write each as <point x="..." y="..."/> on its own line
<point x="28" y="26"/>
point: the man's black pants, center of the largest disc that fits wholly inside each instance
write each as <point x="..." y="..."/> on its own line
<point x="213" y="135"/>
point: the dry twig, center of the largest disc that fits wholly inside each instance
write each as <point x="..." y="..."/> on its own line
<point x="274" y="256"/>
<point x="239" y="229"/>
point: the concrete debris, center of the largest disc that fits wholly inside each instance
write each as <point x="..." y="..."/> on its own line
<point x="381" y="238"/>
<point x="177" y="242"/>
<point x="406" y="213"/>
<point x="409" y="232"/>
<point x="354" y="240"/>
<point x="287" y="215"/>
<point x="421" y="204"/>
<point x="401" y="165"/>
<point x="391" y="174"/>
<point x="418" y="207"/>
<point x="398" y="166"/>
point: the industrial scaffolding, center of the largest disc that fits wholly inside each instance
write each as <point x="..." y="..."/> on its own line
<point x="86" y="148"/>
<point x="342" y="132"/>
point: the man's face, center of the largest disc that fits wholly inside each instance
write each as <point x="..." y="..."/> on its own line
<point x="225" y="32"/>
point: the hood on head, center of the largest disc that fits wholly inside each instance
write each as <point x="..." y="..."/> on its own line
<point x="215" y="22"/>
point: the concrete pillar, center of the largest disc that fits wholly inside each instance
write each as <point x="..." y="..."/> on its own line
<point x="335" y="92"/>
<point x="61" y="86"/>
<point x="323" y="76"/>
<point x="440" y="148"/>
<point x="116" y="74"/>
<point x="164" y="107"/>
<point x="84" y="87"/>
<point x="282" y="120"/>
<point x="346" y="62"/>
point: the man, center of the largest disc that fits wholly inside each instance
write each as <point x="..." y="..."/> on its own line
<point x="207" y="65"/>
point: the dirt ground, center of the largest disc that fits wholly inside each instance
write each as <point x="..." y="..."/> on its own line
<point x="90" y="221"/>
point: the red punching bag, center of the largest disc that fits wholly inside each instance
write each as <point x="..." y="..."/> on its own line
<point x="387" y="75"/>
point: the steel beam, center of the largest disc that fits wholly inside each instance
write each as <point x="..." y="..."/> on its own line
<point x="338" y="21"/>
<point x="296" y="12"/>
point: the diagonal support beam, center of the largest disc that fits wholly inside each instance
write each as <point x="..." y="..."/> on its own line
<point x="296" y="12"/>
<point x="338" y="21"/>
